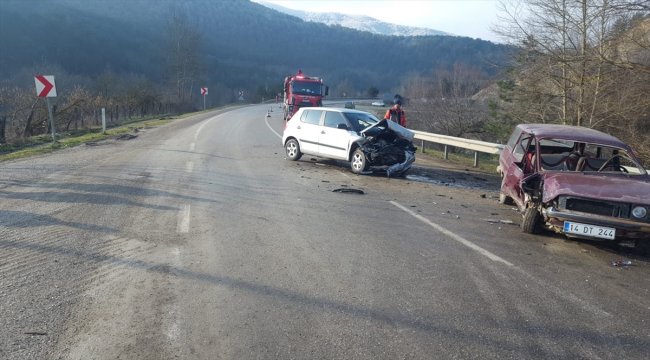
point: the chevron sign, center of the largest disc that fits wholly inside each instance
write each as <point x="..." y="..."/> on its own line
<point x="45" y="86"/>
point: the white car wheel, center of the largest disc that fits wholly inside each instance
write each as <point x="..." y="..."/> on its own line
<point x="359" y="162"/>
<point x="292" y="149"/>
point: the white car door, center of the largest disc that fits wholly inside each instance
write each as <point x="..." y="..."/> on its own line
<point x="334" y="141"/>
<point x="309" y="130"/>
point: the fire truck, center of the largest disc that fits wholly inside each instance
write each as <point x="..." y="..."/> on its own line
<point x="302" y="91"/>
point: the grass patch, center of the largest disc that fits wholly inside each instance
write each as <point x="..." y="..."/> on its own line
<point x="486" y="162"/>
<point x="43" y="144"/>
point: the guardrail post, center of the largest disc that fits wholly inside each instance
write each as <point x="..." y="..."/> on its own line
<point x="475" y="158"/>
<point x="446" y="153"/>
<point x="423" y="146"/>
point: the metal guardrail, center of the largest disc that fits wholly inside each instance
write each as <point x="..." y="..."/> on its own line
<point x="476" y="145"/>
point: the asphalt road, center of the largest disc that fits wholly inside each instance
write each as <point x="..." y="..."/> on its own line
<point x="198" y="240"/>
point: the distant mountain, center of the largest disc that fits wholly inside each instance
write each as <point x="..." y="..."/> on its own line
<point x="361" y="23"/>
<point x="241" y="45"/>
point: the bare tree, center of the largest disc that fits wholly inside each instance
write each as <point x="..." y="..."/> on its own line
<point x="448" y="104"/>
<point x="184" y="56"/>
<point x="583" y="62"/>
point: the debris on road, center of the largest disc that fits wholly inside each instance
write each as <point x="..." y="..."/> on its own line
<point x="621" y="263"/>
<point x="126" y="137"/>
<point x="349" y="191"/>
<point x="499" y="221"/>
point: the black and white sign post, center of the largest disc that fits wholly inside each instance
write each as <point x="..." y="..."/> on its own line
<point x="46" y="88"/>
<point x="204" y="92"/>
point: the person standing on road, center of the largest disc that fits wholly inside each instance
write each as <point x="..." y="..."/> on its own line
<point x="396" y="113"/>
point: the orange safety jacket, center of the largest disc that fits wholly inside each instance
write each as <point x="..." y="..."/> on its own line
<point x="396" y="115"/>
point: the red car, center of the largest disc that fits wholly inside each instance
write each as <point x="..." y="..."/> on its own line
<point x="576" y="181"/>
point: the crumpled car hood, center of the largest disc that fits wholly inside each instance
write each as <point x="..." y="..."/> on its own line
<point x="398" y="129"/>
<point x="632" y="189"/>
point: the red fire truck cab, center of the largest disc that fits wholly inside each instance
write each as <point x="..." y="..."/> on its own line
<point x="302" y="91"/>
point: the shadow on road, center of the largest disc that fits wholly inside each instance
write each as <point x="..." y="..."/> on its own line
<point x="611" y="341"/>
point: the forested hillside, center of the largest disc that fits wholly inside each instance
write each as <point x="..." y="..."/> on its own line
<point x="239" y="44"/>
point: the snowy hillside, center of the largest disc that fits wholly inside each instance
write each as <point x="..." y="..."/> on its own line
<point x="361" y="23"/>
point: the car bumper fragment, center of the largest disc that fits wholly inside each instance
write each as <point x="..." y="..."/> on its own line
<point x="401" y="167"/>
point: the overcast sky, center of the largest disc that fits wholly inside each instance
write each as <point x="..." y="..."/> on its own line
<point x="471" y="18"/>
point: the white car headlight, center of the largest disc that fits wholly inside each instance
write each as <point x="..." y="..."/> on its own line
<point x="639" y="212"/>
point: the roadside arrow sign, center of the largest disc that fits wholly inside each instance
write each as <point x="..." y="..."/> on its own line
<point x="204" y="91"/>
<point x="45" y="86"/>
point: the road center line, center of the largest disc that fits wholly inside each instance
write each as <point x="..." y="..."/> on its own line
<point x="172" y="317"/>
<point x="453" y="236"/>
<point x="183" y="225"/>
<point x="189" y="166"/>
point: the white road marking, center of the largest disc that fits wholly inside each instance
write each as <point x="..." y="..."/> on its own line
<point x="564" y="294"/>
<point x="173" y="326"/>
<point x="266" y="120"/>
<point x="198" y="131"/>
<point x="183" y="225"/>
<point x="454" y="236"/>
<point x="189" y="166"/>
<point x="192" y="147"/>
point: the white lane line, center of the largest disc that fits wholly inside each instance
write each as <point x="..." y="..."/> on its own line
<point x="192" y="147"/>
<point x="198" y="131"/>
<point x="584" y="304"/>
<point x="266" y="120"/>
<point x="183" y="225"/>
<point x="172" y="318"/>
<point x="189" y="166"/>
<point x="454" y="236"/>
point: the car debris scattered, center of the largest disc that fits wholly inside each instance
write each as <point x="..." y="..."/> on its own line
<point x="349" y="191"/>
<point x="499" y="221"/>
<point x="126" y="137"/>
<point x="621" y="263"/>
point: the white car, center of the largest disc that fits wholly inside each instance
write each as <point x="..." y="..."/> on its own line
<point x="369" y="144"/>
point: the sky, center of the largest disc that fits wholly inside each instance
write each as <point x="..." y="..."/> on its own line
<point x="471" y="18"/>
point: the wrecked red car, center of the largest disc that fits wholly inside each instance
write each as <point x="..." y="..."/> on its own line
<point x="576" y="181"/>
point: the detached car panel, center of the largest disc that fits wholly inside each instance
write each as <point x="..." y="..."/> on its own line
<point x="369" y="144"/>
<point x="576" y="181"/>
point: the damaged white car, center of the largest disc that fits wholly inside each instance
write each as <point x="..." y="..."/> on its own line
<point x="369" y="144"/>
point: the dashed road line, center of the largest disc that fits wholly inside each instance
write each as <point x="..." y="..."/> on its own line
<point x="183" y="225"/>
